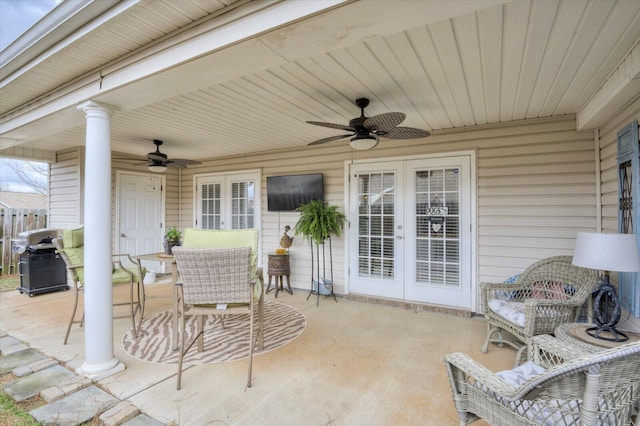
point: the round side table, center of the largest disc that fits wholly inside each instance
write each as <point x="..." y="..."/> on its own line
<point x="278" y="267"/>
<point x="576" y="334"/>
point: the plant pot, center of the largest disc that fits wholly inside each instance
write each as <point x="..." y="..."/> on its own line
<point x="168" y="246"/>
<point x="324" y="288"/>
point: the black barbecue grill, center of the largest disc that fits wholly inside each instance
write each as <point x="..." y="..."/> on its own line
<point x="41" y="269"/>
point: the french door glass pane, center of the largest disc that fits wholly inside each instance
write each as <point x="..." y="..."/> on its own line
<point x="242" y="205"/>
<point x="438" y="226"/>
<point x="211" y="203"/>
<point x="376" y="224"/>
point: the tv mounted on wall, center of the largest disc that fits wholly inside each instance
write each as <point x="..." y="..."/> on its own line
<point x="287" y="193"/>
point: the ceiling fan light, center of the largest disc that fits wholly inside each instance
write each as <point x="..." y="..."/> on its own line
<point x="157" y="168"/>
<point x="362" y="143"/>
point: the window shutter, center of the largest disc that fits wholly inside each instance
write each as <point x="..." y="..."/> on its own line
<point x="628" y="209"/>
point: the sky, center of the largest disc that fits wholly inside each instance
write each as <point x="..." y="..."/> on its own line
<point x="10" y="181"/>
<point x="16" y="16"/>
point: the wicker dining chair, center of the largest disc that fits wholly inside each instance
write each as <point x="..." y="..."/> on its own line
<point x="218" y="282"/>
<point x="563" y="384"/>
<point x="547" y="294"/>
<point x="125" y="271"/>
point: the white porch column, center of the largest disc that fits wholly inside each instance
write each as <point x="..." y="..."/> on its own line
<point x="98" y="293"/>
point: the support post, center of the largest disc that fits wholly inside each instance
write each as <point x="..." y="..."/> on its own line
<point x="98" y="291"/>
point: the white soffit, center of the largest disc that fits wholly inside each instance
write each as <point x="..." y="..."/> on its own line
<point x="620" y="88"/>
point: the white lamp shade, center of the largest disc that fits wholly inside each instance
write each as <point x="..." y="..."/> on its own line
<point x="607" y="252"/>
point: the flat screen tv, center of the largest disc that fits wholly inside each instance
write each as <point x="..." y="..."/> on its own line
<point x="287" y="193"/>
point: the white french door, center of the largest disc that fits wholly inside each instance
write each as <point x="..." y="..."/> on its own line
<point x="410" y="231"/>
<point x="228" y="201"/>
<point x="376" y="228"/>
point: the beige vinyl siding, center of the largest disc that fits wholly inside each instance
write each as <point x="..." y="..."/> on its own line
<point x="609" y="186"/>
<point x="172" y="203"/>
<point x="536" y="190"/>
<point x="23" y="153"/>
<point x="66" y="189"/>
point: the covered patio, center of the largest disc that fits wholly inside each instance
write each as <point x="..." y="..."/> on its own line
<point x="355" y="363"/>
<point x="524" y="102"/>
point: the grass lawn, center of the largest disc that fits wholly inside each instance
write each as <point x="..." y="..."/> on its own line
<point x="17" y="413"/>
<point x="9" y="282"/>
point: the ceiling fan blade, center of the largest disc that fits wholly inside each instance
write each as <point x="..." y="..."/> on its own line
<point x="181" y="162"/>
<point x="329" y="139"/>
<point x="384" y="121"/>
<point x="404" y="133"/>
<point x="332" y="125"/>
<point x="157" y="156"/>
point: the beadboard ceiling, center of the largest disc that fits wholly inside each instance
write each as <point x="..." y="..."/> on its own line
<point x="445" y="64"/>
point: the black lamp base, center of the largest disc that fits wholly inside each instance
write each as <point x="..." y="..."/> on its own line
<point x="609" y="334"/>
<point x="605" y="320"/>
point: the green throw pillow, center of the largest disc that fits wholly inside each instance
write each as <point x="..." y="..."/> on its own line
<point x="72" y="238"/>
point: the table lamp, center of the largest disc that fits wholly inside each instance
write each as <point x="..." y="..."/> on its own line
<point x="607" y="252"/>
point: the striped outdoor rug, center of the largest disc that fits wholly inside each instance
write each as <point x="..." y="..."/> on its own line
<point x="282" y="324"/>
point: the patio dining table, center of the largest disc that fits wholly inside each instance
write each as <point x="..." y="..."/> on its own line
<point x="164" y="258"/>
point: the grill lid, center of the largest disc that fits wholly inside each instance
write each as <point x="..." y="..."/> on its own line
<point x="38" y="239"/>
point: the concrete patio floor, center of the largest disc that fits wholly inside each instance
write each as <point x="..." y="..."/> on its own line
<point x="355" y="364"/>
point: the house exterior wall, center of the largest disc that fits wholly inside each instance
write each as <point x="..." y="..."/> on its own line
<point x="609" y="187"/>
<point x="66" y="192"/>
<point x="536" y="190"/>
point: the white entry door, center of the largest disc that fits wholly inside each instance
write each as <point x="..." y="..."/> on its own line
<point x="139" y="226"/>
<point x="410" y="230"/>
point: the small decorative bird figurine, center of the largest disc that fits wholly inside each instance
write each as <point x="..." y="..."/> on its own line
<point x="286" y="241"/>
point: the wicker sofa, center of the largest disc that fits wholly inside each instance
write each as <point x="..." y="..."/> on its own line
<point x="562" y="384"/>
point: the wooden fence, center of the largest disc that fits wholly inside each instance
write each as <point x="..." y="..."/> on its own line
<point x="13" y="222"/>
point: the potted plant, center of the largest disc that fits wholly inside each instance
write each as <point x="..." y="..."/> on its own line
<point x="171" y="239"/>
<point x="318" y="219"/>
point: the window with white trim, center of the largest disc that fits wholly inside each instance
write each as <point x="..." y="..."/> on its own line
<point x="228" y="201"/>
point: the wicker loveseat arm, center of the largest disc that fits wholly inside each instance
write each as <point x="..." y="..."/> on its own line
<point x="547" y="351"/>
<point x="465" y="371"/>
<point x="543" y="316"/>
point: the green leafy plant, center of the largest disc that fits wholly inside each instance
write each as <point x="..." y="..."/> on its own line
<point x="173" y="235"/>
<point x="318" y="220"/>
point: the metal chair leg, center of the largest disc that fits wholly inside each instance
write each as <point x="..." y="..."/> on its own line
<point x="182" y="320"/>
<point x="73" y="315"/>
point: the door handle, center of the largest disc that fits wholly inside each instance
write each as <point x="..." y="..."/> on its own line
<point x="399" y="237"/>
<point x="122" y="235"/>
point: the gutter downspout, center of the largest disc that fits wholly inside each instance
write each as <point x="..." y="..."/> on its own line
<point x="596" y="147"/>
